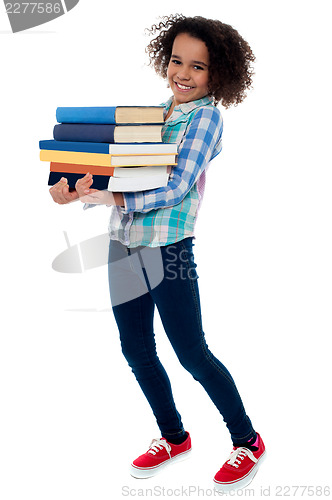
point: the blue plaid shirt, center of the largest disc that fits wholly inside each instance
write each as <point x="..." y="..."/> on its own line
<point x="162" y="216"/>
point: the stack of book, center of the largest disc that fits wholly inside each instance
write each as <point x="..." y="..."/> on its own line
<point x="120" y="146"/>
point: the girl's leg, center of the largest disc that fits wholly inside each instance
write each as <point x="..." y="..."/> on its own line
<point x="135" y="323"/>
<point x="177" y="299"/>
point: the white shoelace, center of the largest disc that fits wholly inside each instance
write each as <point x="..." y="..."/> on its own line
<point x="238" y="455"/>
<point x="157" y="445"/>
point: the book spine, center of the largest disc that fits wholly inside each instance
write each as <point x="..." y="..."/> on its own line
<point x="86" y="114"/>
<point x="79" y="147"/>
<point x="75" y="168"/>
<point x="102" y="160"/>
<point x="84" y="132"/>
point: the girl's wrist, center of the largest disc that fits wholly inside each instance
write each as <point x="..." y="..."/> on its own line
<point x="118" y="199"/>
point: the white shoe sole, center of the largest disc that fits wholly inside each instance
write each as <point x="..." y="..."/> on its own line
<point x="143" y="473"/>
<point x="242" y="483"/>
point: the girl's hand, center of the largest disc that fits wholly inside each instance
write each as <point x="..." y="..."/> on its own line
<point x="95" y="196"/>
<point x="61" y="194"/>
<point x="83" y="184"/>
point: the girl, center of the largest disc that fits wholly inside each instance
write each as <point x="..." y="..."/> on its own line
<point x="205" y="62"/>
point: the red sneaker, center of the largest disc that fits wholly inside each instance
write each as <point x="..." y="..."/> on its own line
<point x="159" y="455"/>
<point x="240" y="468"/>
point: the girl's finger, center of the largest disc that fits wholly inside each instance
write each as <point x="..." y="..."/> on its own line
<point x="83" y="181"/>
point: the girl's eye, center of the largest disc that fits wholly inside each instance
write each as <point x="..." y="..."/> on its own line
<point x="175" y="61"/>
<point x="198" y="67"/>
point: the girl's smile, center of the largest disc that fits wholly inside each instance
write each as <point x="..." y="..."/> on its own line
<point x="182" y="87"/>
<point x="188" y="69"/>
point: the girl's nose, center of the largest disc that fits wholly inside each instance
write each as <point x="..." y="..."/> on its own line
<point x="183" y="74"/>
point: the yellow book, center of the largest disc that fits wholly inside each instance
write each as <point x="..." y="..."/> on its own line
<point x="105" y="160"/>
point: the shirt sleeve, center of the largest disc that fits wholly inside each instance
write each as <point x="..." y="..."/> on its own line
<point x="197" y="148"/>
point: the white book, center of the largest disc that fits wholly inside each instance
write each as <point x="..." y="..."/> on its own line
<point x="128" y="160"/>
<point x="132" y="184"/>
<point x="140" y="171"/>
<point x="144" y="149"/>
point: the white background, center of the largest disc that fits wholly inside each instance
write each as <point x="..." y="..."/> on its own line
<point x="72" y="415"/>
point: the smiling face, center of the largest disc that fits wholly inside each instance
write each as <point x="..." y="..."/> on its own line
<point x="188" y="69"/>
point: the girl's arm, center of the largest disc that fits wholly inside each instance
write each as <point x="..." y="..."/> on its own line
<point x="195" y="152"/>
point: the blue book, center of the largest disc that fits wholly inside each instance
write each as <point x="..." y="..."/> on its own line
<point x="158" y="148"/>
<point x="80" y="147"/>
<point x="99" y="181"/>
<point x="84" y="132"/>
<point x="110" y="114"/>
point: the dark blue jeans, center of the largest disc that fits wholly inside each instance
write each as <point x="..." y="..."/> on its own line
<point x="142" y="278"/>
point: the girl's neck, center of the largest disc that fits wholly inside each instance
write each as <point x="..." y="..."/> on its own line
<point x="170" y="111"/>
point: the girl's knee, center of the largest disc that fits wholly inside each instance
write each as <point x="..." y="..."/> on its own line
<point x="138" y="355"/>
<point x="196" y="364"/>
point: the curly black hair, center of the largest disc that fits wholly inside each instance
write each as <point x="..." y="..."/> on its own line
<point x="231" y="58"/>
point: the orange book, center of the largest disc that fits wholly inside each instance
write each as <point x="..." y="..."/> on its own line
<point x="81" y="169"/>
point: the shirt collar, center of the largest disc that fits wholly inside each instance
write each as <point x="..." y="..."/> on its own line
<point x="187" y="107"/>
